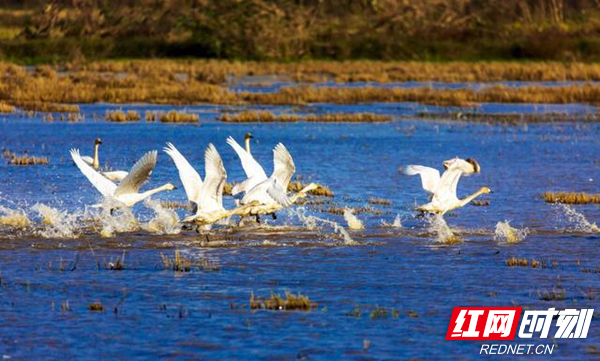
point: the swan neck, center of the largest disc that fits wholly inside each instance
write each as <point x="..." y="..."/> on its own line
<point x="468" y="199"/>
<point x="247" y="141"/>
<point x="150" y="192"/>
<point x="96" y="161"/>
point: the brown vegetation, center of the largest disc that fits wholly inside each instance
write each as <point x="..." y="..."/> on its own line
<point x="571" y="198"/>
<point x="267" y="117"/>
<point x="290" y="302"/>
<point x="25" y="159"/>
<point x="178" y="117"/>
<point x="120" y="116"/>
<point x="6" y="108"/>
<point x="297" y="186"/>
<point x="380" y="201"/>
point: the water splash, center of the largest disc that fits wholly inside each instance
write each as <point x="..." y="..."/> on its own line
<point x="443" y="233"/>
<point x="353" y="222"/>
<point x="576" y="219"/>
<point x="13" y="218"/>
<point x="311" y="222"/>
<point x="165" y="221"/>
<point x="397" y="223"/>
<point x="56" y="223"/>
<point x="504" y="232"/>
<point x="116" y="219"/>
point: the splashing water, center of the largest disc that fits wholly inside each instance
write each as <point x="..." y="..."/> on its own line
<point x="397" y="223"/>
<point x="504" y="232"/>
<point x="577" y="220"/>
<point x="57" y="224"/>
<point x="311" y="222"/>
<point x="439" y="227"/>
<point x="116" y="219"/>
<point x="165" y="220"/>
<point x="13" y="218"/>
<point x="353" y="222"/>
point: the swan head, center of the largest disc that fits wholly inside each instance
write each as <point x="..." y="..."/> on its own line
<point x="248" y="136"/>
<point x="475" y="164"/>
<point x="98" y="141"/>
<point x="485" y="190"/>
<point x="169" y="187"/>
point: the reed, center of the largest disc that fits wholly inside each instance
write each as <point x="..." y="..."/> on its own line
<point x="289" y="302"/>
<point x="178" y="263"/>
<point x="120" y="116"/>
<point x="47" y="107"/>
<point x="25" y="159"/>
<point x="267" y="117"/>
<point x="556" y="294"/>
<point x="571" y="198"/>
<point x="380" y="201"/>
<point x="6" y="108"/>
<point x="480" y="202"/>
<point x="178" y="117"/>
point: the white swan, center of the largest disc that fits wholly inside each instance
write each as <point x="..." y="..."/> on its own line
<point x="127" y="191"/>
<point x="207" y="196"/>
<point x="254" y="171"/>
<point x="117" y="175"/>
<point x="443" y="189"/>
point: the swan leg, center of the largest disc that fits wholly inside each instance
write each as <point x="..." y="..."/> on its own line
<point x="274" y="216"/>
<point x="257" y="218"/>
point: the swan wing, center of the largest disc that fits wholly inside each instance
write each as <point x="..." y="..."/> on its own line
<point x="448" y="185"/>
<point x="211" y="194"/>
<point x="430" y="177"/>
<point x="284" y="165"/>
<point x="279" y="193"/>
<point x="138" y="175"/>
<point x="250" y="165"/>
<point x="103" y="185"/>
<point x="192" y="183"/>
<point x="89" y="160"/>
<point x="117" y="175"/>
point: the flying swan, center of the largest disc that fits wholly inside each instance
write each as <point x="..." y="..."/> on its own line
<point x="94" y="162"/>
<point x="270" y="195"/>
<point x="207" y="196"/>
<point x="254" y="171"/>
<point x="442" y="190"/>
<point x="127" y="192"/>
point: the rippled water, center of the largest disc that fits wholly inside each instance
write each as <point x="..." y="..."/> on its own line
<point x="52" y="269"/>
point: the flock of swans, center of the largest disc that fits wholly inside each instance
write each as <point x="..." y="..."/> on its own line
<point x="262" y="194"/>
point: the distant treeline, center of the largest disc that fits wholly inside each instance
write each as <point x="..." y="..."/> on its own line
<point x="301" y="29"/>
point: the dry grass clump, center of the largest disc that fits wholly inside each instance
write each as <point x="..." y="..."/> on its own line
<point x="276" y="302"/>
<point x="524" y="262"/>
<point x="571" y="198"/>
<point x="480" y="202"/>
<point x="587" y="93"/>
<point x="267" y="117"/>
<point x="380" y="201"/>
<point x="120" y="116"/>
<point x="178" y="117"/>
<point x="24" y="159"/>
<point x="511" y="118"/>
<point x="179" y="263"/>
<point x="258" y="117"/>
<point x="6" y="108"/>
<point x="348" y="118"/>
<point x="47" y="107"/>
<point x="96" y="306"/>
<point x="556" y="294"/>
